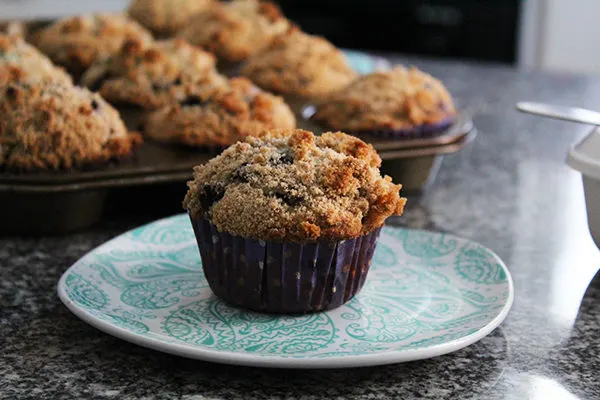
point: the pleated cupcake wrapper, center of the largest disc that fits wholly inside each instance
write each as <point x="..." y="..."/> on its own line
<point x="419" y="131"/>
<point x="281" y="277"/>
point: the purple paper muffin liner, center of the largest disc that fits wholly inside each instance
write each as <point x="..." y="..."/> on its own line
<point x="283" y="277"/>
<point x="413" y="132"/>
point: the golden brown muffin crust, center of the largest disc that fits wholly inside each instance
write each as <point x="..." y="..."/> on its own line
<point x="46" y="126"/>
<point x="397" y="99"/>
<point x="21" y="62"/>
<point x="155" y="75"/>
<point x="166" y="17"/>
<point x="77" y="42"/>
<point x="299" y="64"/>
<point x="234" y="31"/>
<point x="290" y="185"/>
<point x="223" y="118"/>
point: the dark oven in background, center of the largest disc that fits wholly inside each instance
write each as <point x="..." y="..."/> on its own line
<point x="471" y="29"/>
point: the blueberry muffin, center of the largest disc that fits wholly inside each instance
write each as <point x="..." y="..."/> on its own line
<point x="288" y="222"/>
<point x="21" y="62"/>
<point x="155" y="75"/>
<point x="398" y="102"/>
<point x="77" y="42"/>
<point x="236" y="30"/>
<point x="298" y="65"/>
<point x="50" y="127"/>
<point x="229" y="115"/>
<point x="165" y="17"/>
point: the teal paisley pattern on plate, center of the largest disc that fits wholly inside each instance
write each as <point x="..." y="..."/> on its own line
<point x="128" y="320"/>
<point x="85" y="293"/>
<point x="167" y="232"/>
<point x="424" y="290"/>
<point x="476" y="264"/>
<point x="384" y="256"/>
<point x="424" y="245"/>
<point x="212" y="323"/>
<point x="154" y="292"/>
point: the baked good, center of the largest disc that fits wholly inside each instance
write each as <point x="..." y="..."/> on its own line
<point x="20" y="62"/>
<point x="287" y="221"/>
<point x="77" y="42"/>
<point x="397" y="102"/>
<point x="165" y="17"/>
<point x="50" y="126"/>
<point x="153" y="75"/>
<point x="299" y="64"/>
<point x="229" y="115"/>
<point x="234" y="31"/>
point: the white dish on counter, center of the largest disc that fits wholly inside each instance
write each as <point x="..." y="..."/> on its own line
<point x="585" y="158"/>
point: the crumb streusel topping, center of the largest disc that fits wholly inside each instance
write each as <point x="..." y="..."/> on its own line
<point x="166" y="17"/>
<point x="291" y="185"/>
<point x="234" y="31"/>
<point x="21" y="62"/>
<point x="155" y="75"/>
<point x="77" y="42"/>
<point x="229" y="115"/>
<point x="299" y="64"/>
<point x="49" y="126"/>
<point x="396" y="99"/>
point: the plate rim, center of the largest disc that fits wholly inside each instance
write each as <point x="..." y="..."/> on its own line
<point x="250" y="360"/>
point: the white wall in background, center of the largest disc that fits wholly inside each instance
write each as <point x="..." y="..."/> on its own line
<point x="50" y="9"/>
<point x="561" y="35"/>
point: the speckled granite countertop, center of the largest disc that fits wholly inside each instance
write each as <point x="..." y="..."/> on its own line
<point x="510" y="190"/>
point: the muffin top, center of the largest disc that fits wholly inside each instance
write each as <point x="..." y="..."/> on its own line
<point x="77" y="42"/>
<point x="234" y="31"/>
<point x="299" y="64"/>
<point x="154" y="75"/>
<point x="49" y="126"/>
<point x="291" y="185"/>
<point x="230" y="114"/>
<point x="165" y="17"/>
<point x="20" y="62"/>
<point x="396" y="99"/>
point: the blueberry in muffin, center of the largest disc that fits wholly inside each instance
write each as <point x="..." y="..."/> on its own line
<point x="77" y="42"/>
<point x="48" y="126"/>
<point x="234" y="31"/>
<point x="397" y="103"/>
<point x="153" y="75"/>
<point x="299" y="66"/>
<point x="165" y="17"/>
<point x="287" y="222"/>
<point x="230" y="114"/>
<point x="21" y="62"/>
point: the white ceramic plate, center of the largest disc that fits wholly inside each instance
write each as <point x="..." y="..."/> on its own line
<point x="427" y="294"/>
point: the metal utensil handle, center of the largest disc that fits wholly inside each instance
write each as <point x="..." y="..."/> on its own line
<point x="572" y="114"/>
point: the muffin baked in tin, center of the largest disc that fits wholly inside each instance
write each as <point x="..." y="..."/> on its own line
<point x="299" y="66"/>
<point x="21" y="62"/>
<point x="395" y="103"/>
<point x="153" y="75"/>
<point x="165" y="17"/>
<point x="234" y="31"/>
<point x="77" y="42"/>
<point x="230" y="114"/>
<point x="50" y="127"/>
